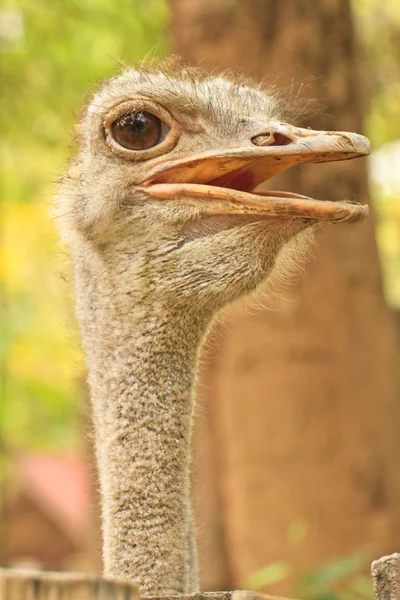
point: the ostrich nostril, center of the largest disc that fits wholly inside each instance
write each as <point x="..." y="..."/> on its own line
<point x="271" y="139"/>
<point x="264" y="139"/>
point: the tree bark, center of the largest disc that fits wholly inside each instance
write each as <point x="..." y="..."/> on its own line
<point x="300" y="404"/>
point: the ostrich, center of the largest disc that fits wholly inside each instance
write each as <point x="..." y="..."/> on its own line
<point x="165" y="229"/>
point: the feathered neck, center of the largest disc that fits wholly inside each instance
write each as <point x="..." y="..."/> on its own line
<point x="141" y="357"/>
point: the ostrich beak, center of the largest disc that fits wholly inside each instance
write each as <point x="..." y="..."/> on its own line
<point x="232" y="174"/>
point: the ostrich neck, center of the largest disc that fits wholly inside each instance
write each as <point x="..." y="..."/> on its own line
<point x="141" y="358"/>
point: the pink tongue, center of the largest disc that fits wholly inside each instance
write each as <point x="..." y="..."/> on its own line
<point x="242" y="180"/>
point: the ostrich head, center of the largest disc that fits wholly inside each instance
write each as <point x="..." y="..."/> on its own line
<point x="166" y="226"/>
<point x="166" y="174"/>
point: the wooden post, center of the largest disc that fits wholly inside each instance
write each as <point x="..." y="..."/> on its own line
<point x="386" y="576"/>
<point x="38" y="585"/>
<point x="18" y="584"/>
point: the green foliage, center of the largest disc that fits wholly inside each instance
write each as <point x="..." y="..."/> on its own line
<point x="268" y="575"/>
<point x="340" y="579"/>
<point x="51" y="53"/>
<point x="64" y="47"/>
<point x="378" y="26"/>
<point x="379" y="29"/>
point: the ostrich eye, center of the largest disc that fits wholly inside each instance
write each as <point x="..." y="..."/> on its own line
<point x="138" y="131"/>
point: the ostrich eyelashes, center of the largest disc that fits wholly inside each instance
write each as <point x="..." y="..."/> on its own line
<point x="139" y="130"/>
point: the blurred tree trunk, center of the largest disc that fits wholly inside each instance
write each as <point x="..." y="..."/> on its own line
<point x="298" y="426"/>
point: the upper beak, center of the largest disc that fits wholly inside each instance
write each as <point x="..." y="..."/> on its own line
<point x="233" y="173"/>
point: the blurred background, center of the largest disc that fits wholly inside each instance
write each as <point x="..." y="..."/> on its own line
<point x="297" y="440"/>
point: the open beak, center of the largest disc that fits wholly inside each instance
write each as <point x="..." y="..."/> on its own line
<point x="232" y="174"/>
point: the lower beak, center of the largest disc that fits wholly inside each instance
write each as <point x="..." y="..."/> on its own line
<point x="232" y="174"/>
